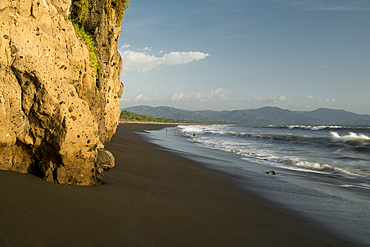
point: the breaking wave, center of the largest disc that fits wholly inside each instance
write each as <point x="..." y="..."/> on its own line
<point x="321" y="127"/>
<point x="339" y="153"/>
<point x="351" y="141"/>
<point x="297" y="164"/>
<point x="313" y="127"/>
<point x="351" y="137"/>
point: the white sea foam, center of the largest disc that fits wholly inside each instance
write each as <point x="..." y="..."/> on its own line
<point x="318" y="167"/>
<point x="351" y="137"/>
<point x="294" y="163"/>
<point x="307" y="153"/>
<point x="313" y="127"/>
<point x="305" y="166"/>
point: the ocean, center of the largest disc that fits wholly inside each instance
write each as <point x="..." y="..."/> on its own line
<point x="323" y="172"/>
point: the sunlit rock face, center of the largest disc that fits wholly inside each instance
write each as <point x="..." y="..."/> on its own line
<point x="54" y="115"/>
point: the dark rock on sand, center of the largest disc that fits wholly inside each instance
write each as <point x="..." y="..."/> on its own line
<point x="104" y="159"/>
<point x="272" y="172"/>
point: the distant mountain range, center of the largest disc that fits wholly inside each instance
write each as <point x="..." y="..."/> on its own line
<point x="262" y="116"/>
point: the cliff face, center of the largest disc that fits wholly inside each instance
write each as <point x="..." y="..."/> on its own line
<point x="54" y="115"/>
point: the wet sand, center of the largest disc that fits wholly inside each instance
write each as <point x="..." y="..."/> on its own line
<point x="151" y="198"/>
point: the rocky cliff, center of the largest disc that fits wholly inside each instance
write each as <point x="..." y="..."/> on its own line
<point x="55" y="114"/>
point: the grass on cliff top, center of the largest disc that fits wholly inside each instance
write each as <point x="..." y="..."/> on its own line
<point x="131" y="116"/>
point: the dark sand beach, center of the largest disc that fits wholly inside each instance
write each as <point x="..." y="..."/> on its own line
<point x="151" y="198"/>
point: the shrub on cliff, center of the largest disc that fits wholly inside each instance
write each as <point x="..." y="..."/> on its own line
<point x="82" y="9"/>
<point x="119" y="6"/>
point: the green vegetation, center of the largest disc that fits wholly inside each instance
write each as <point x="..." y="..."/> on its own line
<point x="82" y="9"/>
<point x="120" y="6"/>
<point x="130" y="116"/>
<point x="91" y="47"/>
<point x="88" y="40"/>
<point x="81" y="13"/>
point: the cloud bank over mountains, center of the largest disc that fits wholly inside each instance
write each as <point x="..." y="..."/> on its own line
<point x="214" y="96"/>
<point x="217" y="95"/>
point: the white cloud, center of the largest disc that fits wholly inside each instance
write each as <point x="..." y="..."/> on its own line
<point x="328" y="102"/>
<point x="214" y="96"/>
<point x="309" y="96"/>
<point x="141" y="98"/>
<point x="217" y="95"/>
<point x="272" y="99"/>
<point x="143" y="62"/>
<point x="125" y="46"/>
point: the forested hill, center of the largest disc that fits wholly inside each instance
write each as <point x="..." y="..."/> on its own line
<point x="261" y="116"/>
<point x="339" y="117"/>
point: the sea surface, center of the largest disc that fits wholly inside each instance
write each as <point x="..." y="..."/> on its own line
<point x="323" y="172"/>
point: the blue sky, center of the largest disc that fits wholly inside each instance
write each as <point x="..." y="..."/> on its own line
<point x="246" y="54"/>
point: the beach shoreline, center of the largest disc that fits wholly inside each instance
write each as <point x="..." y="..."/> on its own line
<point x="151" y="123"/>
<point x="151" y="198"/>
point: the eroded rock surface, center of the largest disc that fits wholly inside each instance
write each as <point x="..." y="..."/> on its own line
<point x="54" y="115"/>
